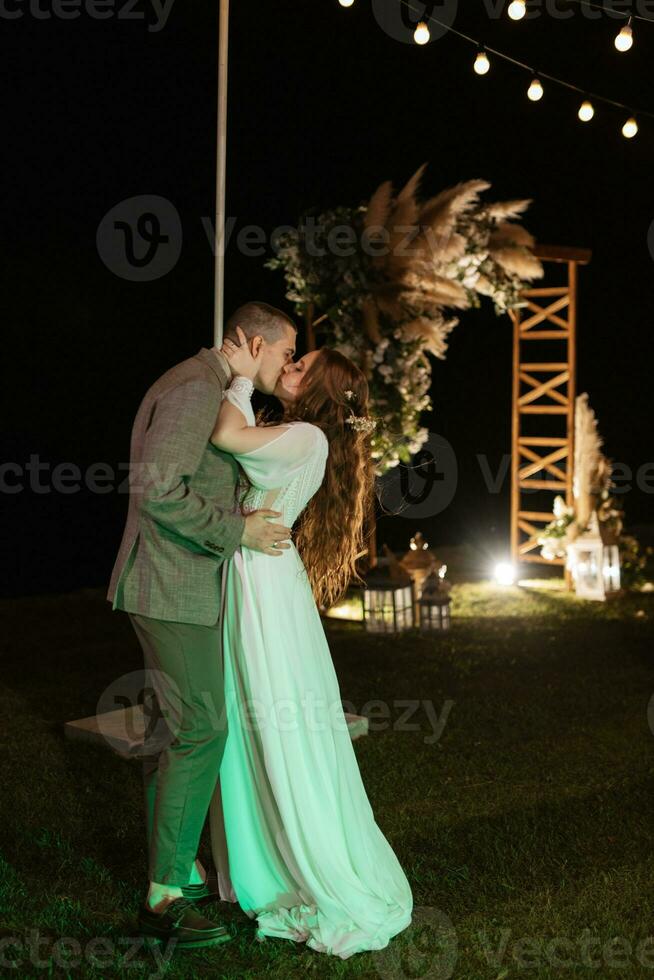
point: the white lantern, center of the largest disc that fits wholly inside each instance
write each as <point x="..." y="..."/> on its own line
<point x="595" y="564"/>
<point x="388" y="600"/>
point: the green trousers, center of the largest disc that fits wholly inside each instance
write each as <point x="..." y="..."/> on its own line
<point x="184" y="705"/>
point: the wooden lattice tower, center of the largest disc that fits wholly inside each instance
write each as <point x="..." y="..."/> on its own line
<point x="544" y="390"/>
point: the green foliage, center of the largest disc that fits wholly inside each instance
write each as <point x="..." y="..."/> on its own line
<point x="636" y="562"/>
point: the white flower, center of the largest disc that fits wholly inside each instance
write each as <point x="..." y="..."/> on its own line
<point x="561" y="510"/>
<point x="559" y="506"/>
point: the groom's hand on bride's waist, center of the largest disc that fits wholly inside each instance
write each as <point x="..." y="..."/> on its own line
<point x="260" y="534"/>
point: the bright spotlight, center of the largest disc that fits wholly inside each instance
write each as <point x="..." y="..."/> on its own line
<point x="505" y="573"/>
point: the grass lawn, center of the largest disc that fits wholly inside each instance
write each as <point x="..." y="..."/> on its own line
<point x="513" y="776"/>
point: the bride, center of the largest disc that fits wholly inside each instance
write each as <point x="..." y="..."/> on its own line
<point x="294" y="837"/>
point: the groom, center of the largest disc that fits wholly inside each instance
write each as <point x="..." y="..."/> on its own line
<point x="183" y="521"/>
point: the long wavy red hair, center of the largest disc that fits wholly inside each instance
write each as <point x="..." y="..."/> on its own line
<point x="330" y="537"/>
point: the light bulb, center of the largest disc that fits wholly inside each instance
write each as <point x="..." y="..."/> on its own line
<point x="535" y="90"/>
<point x="630" y="128"/>
<point x="586" y="111"/>
<point x="517" y="9"/>
<point x="346" y="3"/>
<point x="482" y="64"/>
<point x="421" y="35"/>
<point x="625" y="39"/>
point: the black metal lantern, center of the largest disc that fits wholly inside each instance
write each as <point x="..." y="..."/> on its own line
<point x="388" y="599"/>
<point x="434" y="605"/>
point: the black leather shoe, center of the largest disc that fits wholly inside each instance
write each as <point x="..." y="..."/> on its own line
<point x="207" y="889"/>
<point x="182" y="923"/>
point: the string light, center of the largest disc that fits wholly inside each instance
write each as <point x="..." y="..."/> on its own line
<point x="630" y="128"/>
<point x="482" y="64"/>
<point x="586" y="111"/>
<point x="517" y="9"/>
<point x="625" y="38"/>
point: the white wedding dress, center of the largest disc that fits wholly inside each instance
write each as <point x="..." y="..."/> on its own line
<point x="294" y="838"/>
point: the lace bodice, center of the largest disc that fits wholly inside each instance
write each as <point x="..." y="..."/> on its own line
<point x="285" y="473"/>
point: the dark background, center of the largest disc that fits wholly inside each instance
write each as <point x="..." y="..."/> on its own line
<point x="323" y="106"/>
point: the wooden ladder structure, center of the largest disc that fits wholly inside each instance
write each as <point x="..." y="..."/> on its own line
<point x="544" y="391"/>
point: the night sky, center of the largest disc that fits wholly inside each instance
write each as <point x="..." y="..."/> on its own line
<point x="324" y="105"/>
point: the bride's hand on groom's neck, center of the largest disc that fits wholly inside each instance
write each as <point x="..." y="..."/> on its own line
<point x="240" y="358"/>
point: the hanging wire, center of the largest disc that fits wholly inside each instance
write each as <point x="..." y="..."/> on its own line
<point x="587" y="93"/>
<point x="616" y="13"/>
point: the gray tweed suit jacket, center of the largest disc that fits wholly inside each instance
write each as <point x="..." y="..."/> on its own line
<point x="183" y="518"/>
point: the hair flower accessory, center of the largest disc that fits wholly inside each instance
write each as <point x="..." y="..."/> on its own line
<point x="348" y="394"/>
<point x="361" y="423"/>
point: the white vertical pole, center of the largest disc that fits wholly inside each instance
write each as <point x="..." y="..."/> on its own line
<point x="221" y="169"/>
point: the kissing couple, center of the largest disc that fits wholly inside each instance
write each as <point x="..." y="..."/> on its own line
<point x="236" y="533"/>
